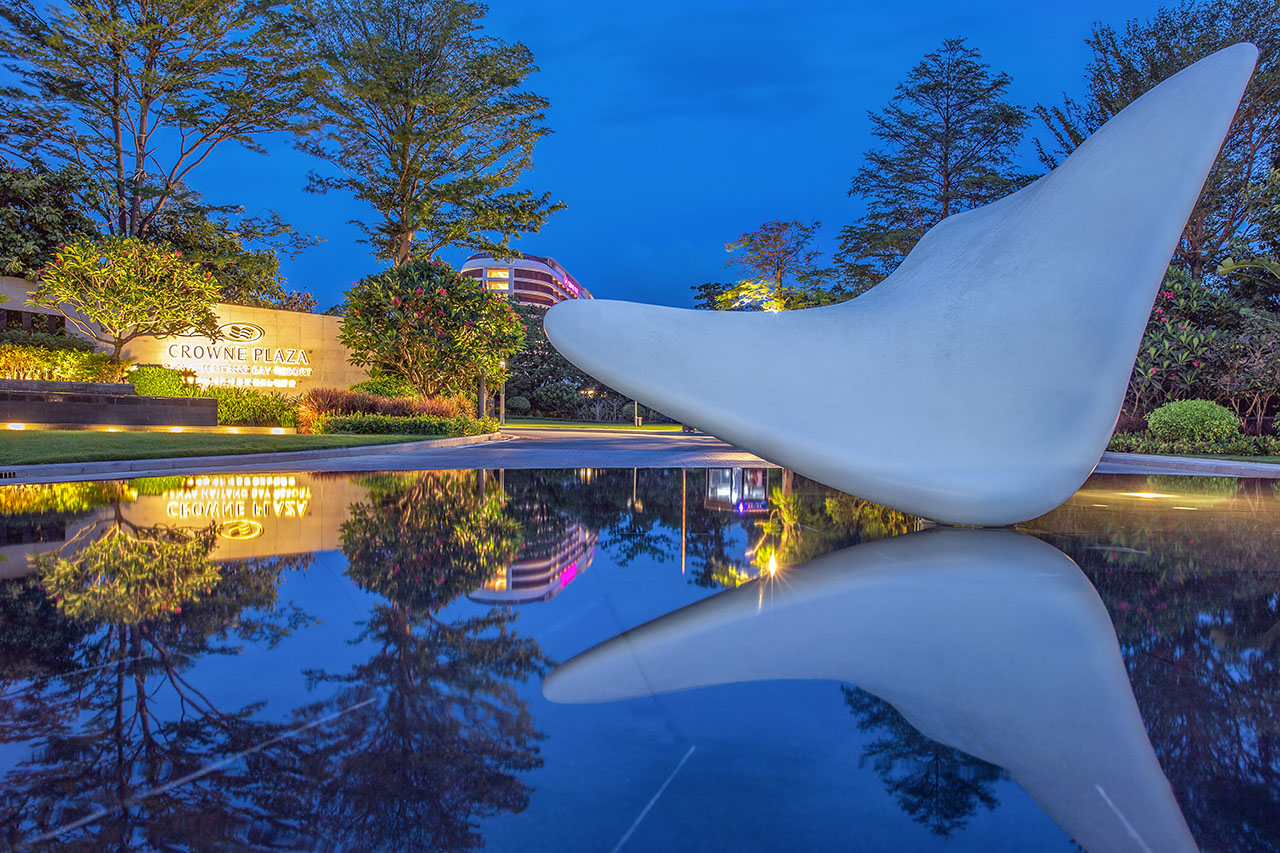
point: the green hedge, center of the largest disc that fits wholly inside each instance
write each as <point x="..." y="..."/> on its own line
<point x="248" y="407"/>
<point x="1239" y="445"/>
<point x="236" y="406"/>
<point x="19" y="361"/>
<point x="393" y="425"/>
<point x="1193" y="420"/>
<point x="158" y="382"/>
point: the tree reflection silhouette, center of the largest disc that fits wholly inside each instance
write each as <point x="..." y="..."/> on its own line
<point x="109" y="735"/>
<point x="937" y="786"/>
<point x="445" y="736"/>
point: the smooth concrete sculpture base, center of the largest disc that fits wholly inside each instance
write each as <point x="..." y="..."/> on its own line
<point x="990" y="642"/>
<point x="979" y="383"/>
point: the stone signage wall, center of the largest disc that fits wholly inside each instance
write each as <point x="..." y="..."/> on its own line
<point x="259" y="348"/>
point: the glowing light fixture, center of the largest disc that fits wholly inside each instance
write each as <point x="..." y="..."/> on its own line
<point x="16" y="426"/>
<point x="773" y="565"/>
<point x="277" y="430"/>
<point x="1146" y="495"/>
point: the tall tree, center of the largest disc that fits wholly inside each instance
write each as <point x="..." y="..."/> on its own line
<point x="138" y="93"/>
<point x="778" y="252"/>
<point x="948" y="138"/>
<point x="429" y="125"/>
<point x="781" y="271"/>
<point x="1125" y="65"/>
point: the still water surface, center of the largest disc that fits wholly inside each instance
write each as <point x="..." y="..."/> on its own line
<point x="432" y="661"/>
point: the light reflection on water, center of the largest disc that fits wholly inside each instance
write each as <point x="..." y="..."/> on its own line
<point x="338" y="661"/>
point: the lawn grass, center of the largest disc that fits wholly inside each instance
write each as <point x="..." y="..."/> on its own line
<point x="46" y="448"/>
<point x="552" y="423"/>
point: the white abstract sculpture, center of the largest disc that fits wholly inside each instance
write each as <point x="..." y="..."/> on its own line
<point x="990" y="642"/>
<point x="980" y="382"/>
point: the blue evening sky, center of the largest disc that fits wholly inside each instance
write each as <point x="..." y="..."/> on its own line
<point x="679" y="125"/>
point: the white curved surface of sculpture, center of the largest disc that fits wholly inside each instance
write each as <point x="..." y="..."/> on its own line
<point x="988" y="641"/>
<point x="979" y="383"/>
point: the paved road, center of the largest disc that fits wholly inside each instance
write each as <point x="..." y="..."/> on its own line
<point x="524" y="448"/>
<point x="554" y="448"/>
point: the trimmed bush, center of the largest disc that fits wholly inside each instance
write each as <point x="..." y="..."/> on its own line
<point x="237" y="406"/>
<point x="1237" y="445"/>
<point x="375" y="424"/>
<point x="519" y="405"/>
<point x="1193" y="421"/>
<point x="385" y="386"/>
<point x="18" y="361"/>
<point x="158" y="382"/>
<point x="250" y="407"/>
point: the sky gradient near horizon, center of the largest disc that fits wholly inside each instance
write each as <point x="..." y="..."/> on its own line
<point x="678" y="126"/>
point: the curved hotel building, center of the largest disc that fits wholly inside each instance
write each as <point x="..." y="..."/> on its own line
<point x="530" y="280"/>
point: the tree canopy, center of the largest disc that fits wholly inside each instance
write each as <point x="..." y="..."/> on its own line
<point x="38" y="215"/>
<point x="121" y="288"/>
<point x="427" y="324"/>
<point x="138" y="93"/>
<point x="245" y="276"/>
<point x="1126" y="64"/>
<point x="427" y="122"/>
<point x="949" y="138"/>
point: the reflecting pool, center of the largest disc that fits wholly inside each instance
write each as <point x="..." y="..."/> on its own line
<point x="621" y="659"/>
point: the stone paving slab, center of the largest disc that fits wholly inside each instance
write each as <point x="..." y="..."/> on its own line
<point x="540" y="448"/>
<point x="513" y="449"/>
<point x="1141" y="463"/>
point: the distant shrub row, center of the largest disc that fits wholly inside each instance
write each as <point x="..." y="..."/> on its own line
<point x="329" y="402"/>
<point x="396" y="425"/>
<point x="1240" y="445"/>
<point x="324" y="410"/>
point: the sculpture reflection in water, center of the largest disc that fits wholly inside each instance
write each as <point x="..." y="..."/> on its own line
<point x="989" y="642"/>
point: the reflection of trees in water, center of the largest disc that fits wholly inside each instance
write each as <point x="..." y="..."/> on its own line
<point x="937" y="786"/>
<point x="1193" y="597"/>
<point x="422" y="738"/>
<point x="441" y="744"/>
<point x="428" y="536"/>
<point x="114" y="715"/>
<point x="806" y="523"/>
<point x="444" y="734"/>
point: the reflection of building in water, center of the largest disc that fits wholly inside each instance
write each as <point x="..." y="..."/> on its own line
<point x="258" y="515"/>
<point x="546" y="566"/>
<point x="741" y="490"/>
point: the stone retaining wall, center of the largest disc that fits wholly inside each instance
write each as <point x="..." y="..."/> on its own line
<point x="54" y="407"/>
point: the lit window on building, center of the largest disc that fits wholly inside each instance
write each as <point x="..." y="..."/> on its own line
<point x="500" y="274"/>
